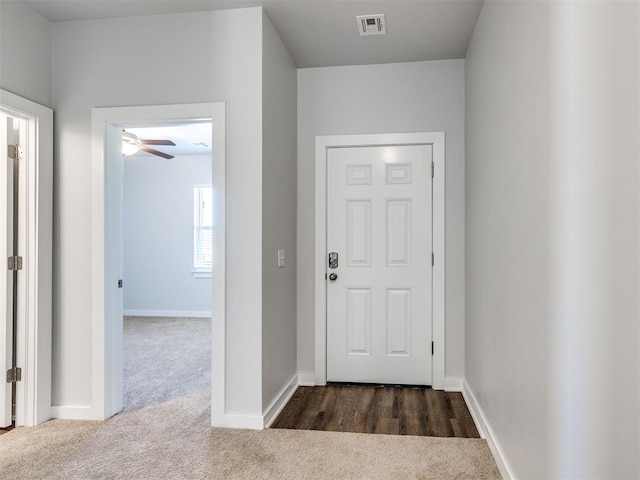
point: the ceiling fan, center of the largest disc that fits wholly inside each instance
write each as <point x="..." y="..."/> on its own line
<point x="131" y="144"/>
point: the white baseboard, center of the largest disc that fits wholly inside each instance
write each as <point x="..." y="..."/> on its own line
<point x="486" y="432"/>
<point x="259" y="422"/>
<point x="72" y="413"/>
<point x="167" y="313"/>
<point x="453" y="384"/>
<point x="306" y="379"/>
<point x="232" y="420"/>
<point x="280" y="401"/>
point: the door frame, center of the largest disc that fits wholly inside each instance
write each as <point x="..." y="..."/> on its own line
<point x="325" y="142"/>
<point x="35" y="244"/>
<point x="107" y="334"/>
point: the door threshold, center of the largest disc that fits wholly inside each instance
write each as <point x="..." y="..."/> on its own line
<point x="371" y="384"/>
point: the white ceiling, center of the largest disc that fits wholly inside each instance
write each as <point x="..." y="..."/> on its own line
<point x="190" y="138"/>
<point x="318" y="33"/>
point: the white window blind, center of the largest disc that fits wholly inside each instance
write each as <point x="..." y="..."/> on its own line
<point x="202" y="228"/>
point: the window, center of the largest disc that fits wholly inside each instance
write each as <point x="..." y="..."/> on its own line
<point x="202" y="231"/>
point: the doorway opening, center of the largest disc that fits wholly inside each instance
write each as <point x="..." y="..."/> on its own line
<point x="26" y="181"/>
<point x="113" y="129"/>
<point x="167" y="215"/>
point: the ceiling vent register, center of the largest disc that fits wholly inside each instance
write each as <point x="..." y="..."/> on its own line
<point x="371" y="25"/>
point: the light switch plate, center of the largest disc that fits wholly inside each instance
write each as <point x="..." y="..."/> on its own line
<point x="280" y="258"/>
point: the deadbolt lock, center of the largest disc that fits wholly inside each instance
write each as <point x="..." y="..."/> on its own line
<point x="333" y="260"/>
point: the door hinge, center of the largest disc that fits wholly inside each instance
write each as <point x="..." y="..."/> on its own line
<point x="433" y="348"/>
<point x="119" y="283"/>
<point x="14" y="375"/>
<point x="15" y="263"/>
<point x="433" y="169"/>
<point x="15" y="152"/>
<point x="433" y="259"/>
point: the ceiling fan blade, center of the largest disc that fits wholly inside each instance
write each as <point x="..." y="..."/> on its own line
<point x="156" y="152"/>
<point x="168" y="143"/>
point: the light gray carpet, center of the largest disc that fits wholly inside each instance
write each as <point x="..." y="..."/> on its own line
<point x="169" y="437"/>
<point x="164" y="359"/>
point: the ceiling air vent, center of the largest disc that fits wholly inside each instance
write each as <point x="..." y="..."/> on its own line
<point x="371" y="25"/>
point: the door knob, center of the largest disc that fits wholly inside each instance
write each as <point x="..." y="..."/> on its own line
<point x="333" y="277"/>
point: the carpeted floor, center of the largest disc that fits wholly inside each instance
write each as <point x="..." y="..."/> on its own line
<point x="164" y="359"/>
<point x="166" y="435"/>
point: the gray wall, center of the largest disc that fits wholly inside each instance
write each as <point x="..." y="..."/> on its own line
<point x="158" y="235"/>
<point x="278" y="214"/>
<point x="25" y="53"/>
<point x="203" y="57"/>
<point x="507" y="212"/>
<point x="390" y="98"/>
<point x="552" y="218"/>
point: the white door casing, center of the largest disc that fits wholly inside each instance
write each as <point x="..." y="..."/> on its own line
<point x="33" y="131"/>
<point x="379" y="225"/>
<point x="324" y="144"/>
<point x="107" y="124"/>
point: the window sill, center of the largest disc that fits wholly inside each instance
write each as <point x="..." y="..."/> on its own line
<point x="200" y="274"/>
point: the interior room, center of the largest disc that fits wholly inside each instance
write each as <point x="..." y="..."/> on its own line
<point x="431" y="203"/>
<point x="167" y="257"/>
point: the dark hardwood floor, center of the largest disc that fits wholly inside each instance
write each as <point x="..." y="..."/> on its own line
<point x="378" y="409"/>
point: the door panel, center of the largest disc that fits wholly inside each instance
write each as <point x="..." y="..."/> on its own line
<point x="113" y="270"/>
<point x="379" y="223"/>
<point x="6" y="277"/>
<point x="398" y="228"/>
<point x="358" y="321"/>
<point x="399" y="322"/>
<point x="359" y="233"/>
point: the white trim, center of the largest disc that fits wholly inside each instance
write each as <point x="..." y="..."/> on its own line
<point x="453" y="384"/>
<point x="486" y="432"/>
<point x="36" y="246"/>
<point x="439" y="333"/>
<point x="167" y="313"/>
<point x="281" y="400"/>
<point x="474" y="408"/>
<point x="306" y="379"/>
<point x="219" y="268"/>
<point x="201" y="274"/>
<point x="72" y="413"/>
<point x="437" y="140"/>
<point x="233" y="420"/>
<point x="259" y="422"/>
<point x="106" y="376"/>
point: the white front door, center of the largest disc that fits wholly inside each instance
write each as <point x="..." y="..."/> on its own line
<point x="6" y="276"/>
<point x="379" y="223"/>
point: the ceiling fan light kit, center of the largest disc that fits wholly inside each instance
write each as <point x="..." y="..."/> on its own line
<point x="131" y="144"/>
